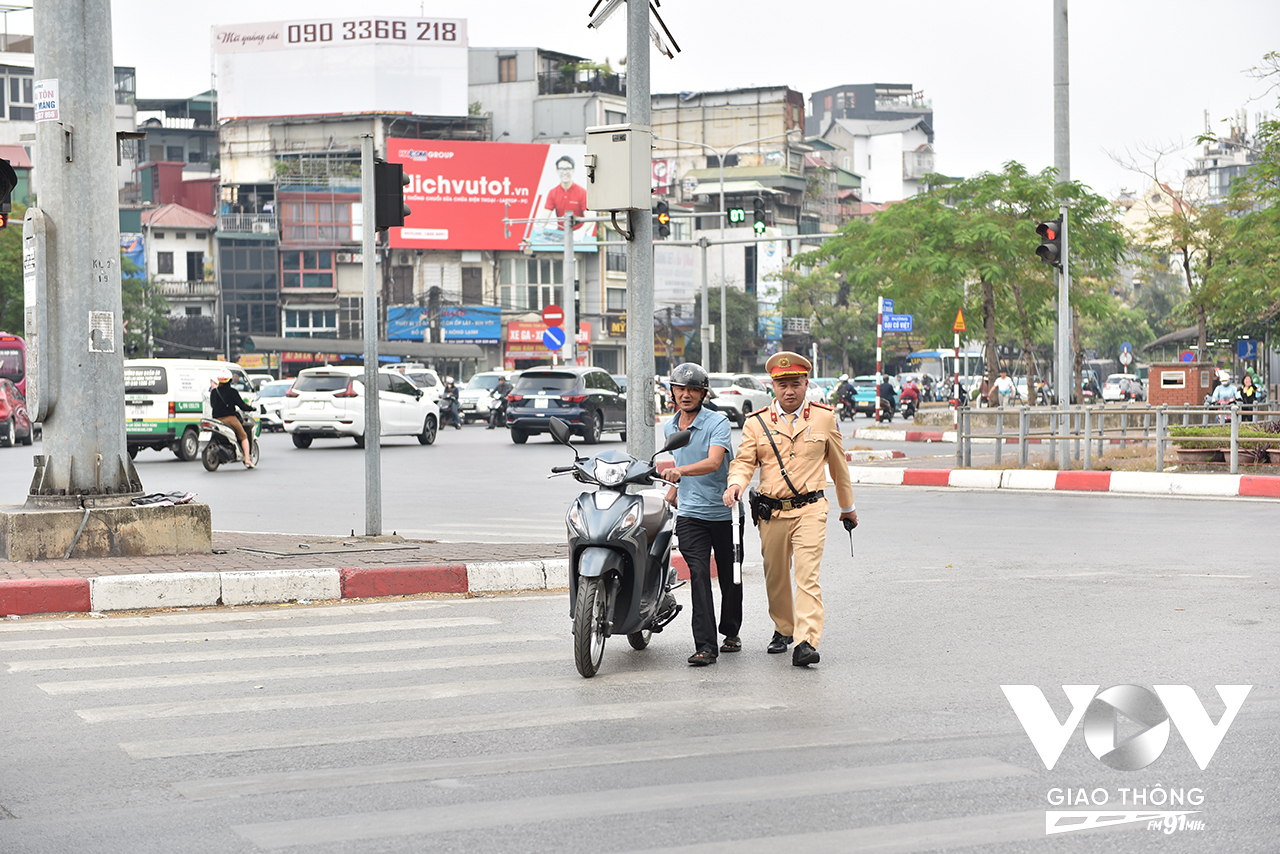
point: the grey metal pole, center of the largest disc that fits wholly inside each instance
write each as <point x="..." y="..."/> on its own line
<point x="79" y="351"/>
<point x="1235" y="440"/>
<point x="724" y="276"/>
<point x="1064" y="335"/>
<point x="570" y="315"/>
<point x="1024" y="427"/>
<point x="1062" y="163"/>
<point x="1088" y="439"/>
<point x="640" y="365"/>
<point x="372" y="419"/>
<point x="706" y="311"/>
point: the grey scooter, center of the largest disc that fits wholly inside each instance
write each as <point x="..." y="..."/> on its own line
<point x="619" y="550"/>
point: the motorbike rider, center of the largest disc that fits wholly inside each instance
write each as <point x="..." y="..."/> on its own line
<point x="704" y="524"/>
<point x="498" y="408"/>
<point x="224" y="400"/>
<point x="450" y="400"/>
<point x="888" y="397"/>
<point x="910" y="396"/>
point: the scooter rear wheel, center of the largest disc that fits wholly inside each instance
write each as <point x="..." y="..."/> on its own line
<point x="588" y="627"/>
<point x="639" y="640"/>
<point x="211" y="458"/>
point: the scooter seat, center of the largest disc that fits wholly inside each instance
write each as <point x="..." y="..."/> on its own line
<point x="655" y="504"/>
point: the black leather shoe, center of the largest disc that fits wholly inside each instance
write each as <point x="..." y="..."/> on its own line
<point x="779" y="643"/>
<point x="804" y="655"/>
<point x="702" y="658"/>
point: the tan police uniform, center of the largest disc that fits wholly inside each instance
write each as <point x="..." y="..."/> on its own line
<point x="809" y="442"/>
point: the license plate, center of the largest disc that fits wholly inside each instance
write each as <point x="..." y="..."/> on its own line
<point x="315" y="404"/>
<point x="541" y="403"/>
<point x="468" y="404"/>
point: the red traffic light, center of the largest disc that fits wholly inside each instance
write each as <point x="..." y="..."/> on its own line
<point x="1050" y="248"/>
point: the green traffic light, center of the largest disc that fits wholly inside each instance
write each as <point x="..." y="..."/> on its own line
<point x="759" y="228"/>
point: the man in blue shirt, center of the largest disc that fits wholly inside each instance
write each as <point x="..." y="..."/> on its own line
<point x="701" y="473"/>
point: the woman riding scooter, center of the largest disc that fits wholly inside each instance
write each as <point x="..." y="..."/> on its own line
<point x="224" y="400"/>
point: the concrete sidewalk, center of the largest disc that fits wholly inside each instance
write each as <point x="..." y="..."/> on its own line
<point x="252" y="568"/>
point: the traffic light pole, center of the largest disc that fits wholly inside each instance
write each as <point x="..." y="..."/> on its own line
<point x="640" y="363"/>
<point x="372" y="419"/>
<point x="1062" y="163"/>
<point x="570" y="289"/>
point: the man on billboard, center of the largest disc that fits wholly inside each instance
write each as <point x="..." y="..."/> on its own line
<point x="567" y="197"/>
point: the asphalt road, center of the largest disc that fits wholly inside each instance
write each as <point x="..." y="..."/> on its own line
<point x="461" y="725"/>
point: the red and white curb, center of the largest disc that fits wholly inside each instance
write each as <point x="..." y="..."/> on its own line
<point x="1129" y="482"/>
<point x="267" y="586"/>
<point x="885" y="435"/>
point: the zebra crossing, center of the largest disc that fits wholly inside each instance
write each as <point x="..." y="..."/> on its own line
<point x="451" y="725"/>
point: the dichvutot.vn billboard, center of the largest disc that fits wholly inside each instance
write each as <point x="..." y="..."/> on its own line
<point x="356" y="64"/>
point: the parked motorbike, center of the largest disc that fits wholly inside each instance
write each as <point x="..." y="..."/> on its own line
<point x="619" y="550"/>
<point x="224" y="447"/>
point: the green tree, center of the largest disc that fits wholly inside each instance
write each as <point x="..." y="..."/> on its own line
<point x="839" y="324"/>
<point x="11" y="300"/>
<point x="146" y="311"/>
<point x="743" y="342"/>
<point x="971" y="244"/>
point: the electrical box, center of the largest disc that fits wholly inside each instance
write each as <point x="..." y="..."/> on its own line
<point x="619" y="174"/>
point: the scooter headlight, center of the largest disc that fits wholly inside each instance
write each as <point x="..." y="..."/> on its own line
<point x="576" y="523"/>
<point x="629" y="520"/>
<point x="610" y="474"/>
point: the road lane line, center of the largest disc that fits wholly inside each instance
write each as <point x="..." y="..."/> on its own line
<point x="274" y="674"/>
<point x="421" y="644"/>
<point x="536" y="761"/>
<point x="905" y="838"/>
<point x="369" y="696"/>
<point x="223" y="616"/>
<point x="427" y="728"/>
<point x="677" y="796"/>
<point x="250" y="634"/>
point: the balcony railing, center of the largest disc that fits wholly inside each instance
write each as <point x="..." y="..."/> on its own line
<point x="247" y="223"/>
<point x="569" y="82"/>
<point x="188" y="289"/>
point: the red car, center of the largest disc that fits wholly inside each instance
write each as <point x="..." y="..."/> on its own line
<point x="15" y="424"/>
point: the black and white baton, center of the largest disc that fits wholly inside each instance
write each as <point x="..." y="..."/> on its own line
<point x="738" y="551"/>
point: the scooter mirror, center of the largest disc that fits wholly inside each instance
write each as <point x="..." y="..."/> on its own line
<point x="678" y="439"/>
<point x="560" y="431"/>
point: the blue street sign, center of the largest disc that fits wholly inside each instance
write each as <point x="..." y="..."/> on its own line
<point x="1247" y="349"/>
<point x="1126" y="347"/>
<point x="553" y="337"/>
<point x="898" y="322"/>
<point x="888" y="306"/>
<point x="1188" y="356"/>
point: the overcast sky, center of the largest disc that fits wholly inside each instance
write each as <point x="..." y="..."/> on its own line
<point x="1143" y="72"/>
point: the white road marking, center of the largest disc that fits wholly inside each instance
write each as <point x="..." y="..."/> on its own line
<point x="676" y="796"/>
<point x="174" y="657"/>
<point x="426" y="728"/>
<point x="366" y="696"/>
<point x="249" y="634"/>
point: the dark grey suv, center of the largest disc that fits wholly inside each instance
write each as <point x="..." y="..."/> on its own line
<point x="586" y="398"/>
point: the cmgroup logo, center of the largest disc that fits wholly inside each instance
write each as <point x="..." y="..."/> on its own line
<point x="1146" y="717"/>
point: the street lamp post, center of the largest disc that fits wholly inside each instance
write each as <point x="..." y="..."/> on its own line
<point x="720" y="156"/>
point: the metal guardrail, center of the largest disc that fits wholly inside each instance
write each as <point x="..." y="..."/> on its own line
<point x="1083" y="427"/>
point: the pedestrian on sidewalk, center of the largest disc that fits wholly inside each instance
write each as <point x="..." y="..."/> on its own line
<point x="1248" y="394"/>
<point x="793" y="443"/>
<point x="704" y="524"/>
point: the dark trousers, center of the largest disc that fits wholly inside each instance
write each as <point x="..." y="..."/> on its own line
<point x="698" y="538"/>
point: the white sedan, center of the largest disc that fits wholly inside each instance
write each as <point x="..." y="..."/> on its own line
<point x="1122" y="387"/>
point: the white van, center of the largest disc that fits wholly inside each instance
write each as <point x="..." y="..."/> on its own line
<point x="164" y="399"/>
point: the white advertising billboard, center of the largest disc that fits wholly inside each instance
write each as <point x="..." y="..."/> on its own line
<point x="357" y="64"/>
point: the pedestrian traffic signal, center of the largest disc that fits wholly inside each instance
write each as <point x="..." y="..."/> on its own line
<point x="662" y="221"/>
<point x="1050" y="248"/>
<point x="389" y="182"/>
<point x="757" y="205"/>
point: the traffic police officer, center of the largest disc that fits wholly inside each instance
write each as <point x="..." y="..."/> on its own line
<point x="792" y="503"/>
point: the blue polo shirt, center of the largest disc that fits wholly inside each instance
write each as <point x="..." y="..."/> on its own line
<point x="702" y="496"/>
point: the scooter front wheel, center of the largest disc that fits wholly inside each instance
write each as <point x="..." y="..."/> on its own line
<point x="639" y="640"/>
<point x="588" y="626"/>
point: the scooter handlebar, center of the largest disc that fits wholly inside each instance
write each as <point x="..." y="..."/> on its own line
<point x="561" y="469"/>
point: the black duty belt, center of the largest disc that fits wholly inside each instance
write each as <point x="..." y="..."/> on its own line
<point x="776" y="504"/>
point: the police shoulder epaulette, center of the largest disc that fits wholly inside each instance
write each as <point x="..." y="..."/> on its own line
<point x="761" y="411"/>
<point x="825" y="406"/>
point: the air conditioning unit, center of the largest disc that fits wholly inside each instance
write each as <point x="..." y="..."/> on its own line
<point x="346" y="257"/>
<point x="403" y="260"/>
<point x="262" y="228"/>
